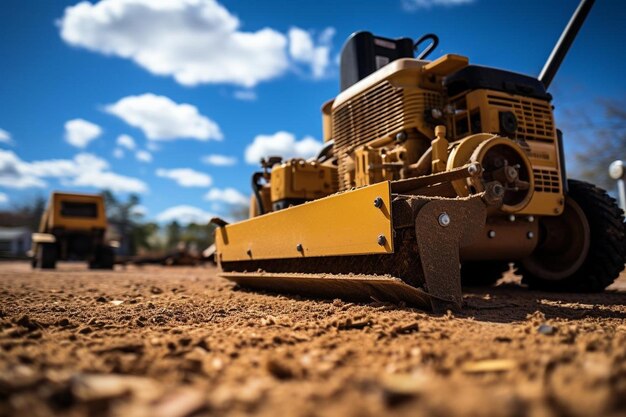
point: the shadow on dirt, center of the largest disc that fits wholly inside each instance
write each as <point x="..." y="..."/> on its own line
<point x="508" y="302"/>
<point x="512" y="302"/>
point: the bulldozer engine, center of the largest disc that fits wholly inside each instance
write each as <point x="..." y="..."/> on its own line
<point x="385" y="130"/>
<point x="427" y="165"/>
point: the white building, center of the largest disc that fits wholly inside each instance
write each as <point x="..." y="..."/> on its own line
<point x="14" y="241"/>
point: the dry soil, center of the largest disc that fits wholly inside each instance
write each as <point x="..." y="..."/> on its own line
<point x="160" y="341"/>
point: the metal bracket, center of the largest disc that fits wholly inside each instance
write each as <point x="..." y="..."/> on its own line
<point x="218" y="221"/>
<point x="413" y="184"/>
<point x="442" y="227"/>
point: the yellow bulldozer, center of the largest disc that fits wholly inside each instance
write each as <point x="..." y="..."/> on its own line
<point x="434" y="173"/>
<point x="73" y="227"/>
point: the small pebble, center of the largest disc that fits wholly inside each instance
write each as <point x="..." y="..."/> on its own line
<point x="546" y="329"/>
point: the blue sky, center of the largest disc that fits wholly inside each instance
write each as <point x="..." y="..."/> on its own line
<point x="186" y="79"/>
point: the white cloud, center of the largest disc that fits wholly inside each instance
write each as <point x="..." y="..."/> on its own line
<point x="84" y="170"/>
<point x="109" y="181"/>
<point x="4" y="198"/>
<point x="245" y="95"/>
<point x="303" y="49"/>
<point x="15" y="173"/>
<point x="59" y="168"/>
<point x="5" y="137"/>
<point x="226" y="195"/>
<point x="118" y="153"/>
<point x="219" y="160"/>
<point x="184" y="214"/>
<point x="143" y="156"/>
<point x="153" y="147"/>
<point x="194" y="41"/>
<point x="160" y="118"/>
<point x="139" y="210"/>
<point x="281" y="144"/>
<point x="79" y="132"/>
<point x="87" y="170"/>
<point x="412" y="5"/>
<point x="186" y="177"/>
<point x="126" y="141"/>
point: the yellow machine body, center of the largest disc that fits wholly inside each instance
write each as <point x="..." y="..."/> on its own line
<point x="266" y="201"/>
<point x="72" y="227"/>
<point x="408" y="96"/>
<point x="401" y="93"/>
<point x="300" y="180"/>
<point x="327" y="120"/>
<point x="398" y="129"/>
<point x="74" y="212"/>
<point x="535" y="134"/>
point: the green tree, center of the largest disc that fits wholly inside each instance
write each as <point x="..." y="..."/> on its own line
<point x="35" y="211"/>
<point x="201" y="235"/>
<point x="173" y="233"/>
<point x="127" y="219"/>
<point x="26" y="214"/>
<point x="144" y="235"/>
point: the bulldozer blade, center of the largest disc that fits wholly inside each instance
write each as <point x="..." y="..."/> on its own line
<point x="401" y="248"/>
<point x="344" y="286"/>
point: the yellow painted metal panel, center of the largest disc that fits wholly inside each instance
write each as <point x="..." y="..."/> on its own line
<point x="343" y="224"/>
<point x="542" y="202"/>
<point x="56" y="219"/>
<point x="446" y="64"/>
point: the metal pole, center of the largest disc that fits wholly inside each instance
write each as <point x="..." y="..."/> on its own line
<point x="622" y="194"/>
<point x="565" y="41"/>
<point x="618" y="173"/>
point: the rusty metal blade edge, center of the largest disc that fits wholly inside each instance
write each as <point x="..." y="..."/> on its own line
<point x="344" y="286"/>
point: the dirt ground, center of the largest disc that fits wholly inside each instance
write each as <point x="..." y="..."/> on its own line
<point x="159" y="341"/>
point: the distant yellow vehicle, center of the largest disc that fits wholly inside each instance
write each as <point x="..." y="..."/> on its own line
<point x="73" y="227"/>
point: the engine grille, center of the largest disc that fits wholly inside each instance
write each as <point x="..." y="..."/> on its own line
<point x="547" y="181"/>
<point x="380" y="112"/>
<point x="534" y="118"/>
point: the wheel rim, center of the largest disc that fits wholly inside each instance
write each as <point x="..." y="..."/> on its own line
<point x="564" y="244"/>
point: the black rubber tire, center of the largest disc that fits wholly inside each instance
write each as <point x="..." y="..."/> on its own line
<point x="104" y="258"/>
<point x="482" y="273"/>
<point x="607" y="244"/>
<point x="46" y="256"/>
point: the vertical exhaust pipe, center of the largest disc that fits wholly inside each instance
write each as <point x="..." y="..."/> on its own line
<point x="565" y="41"/>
